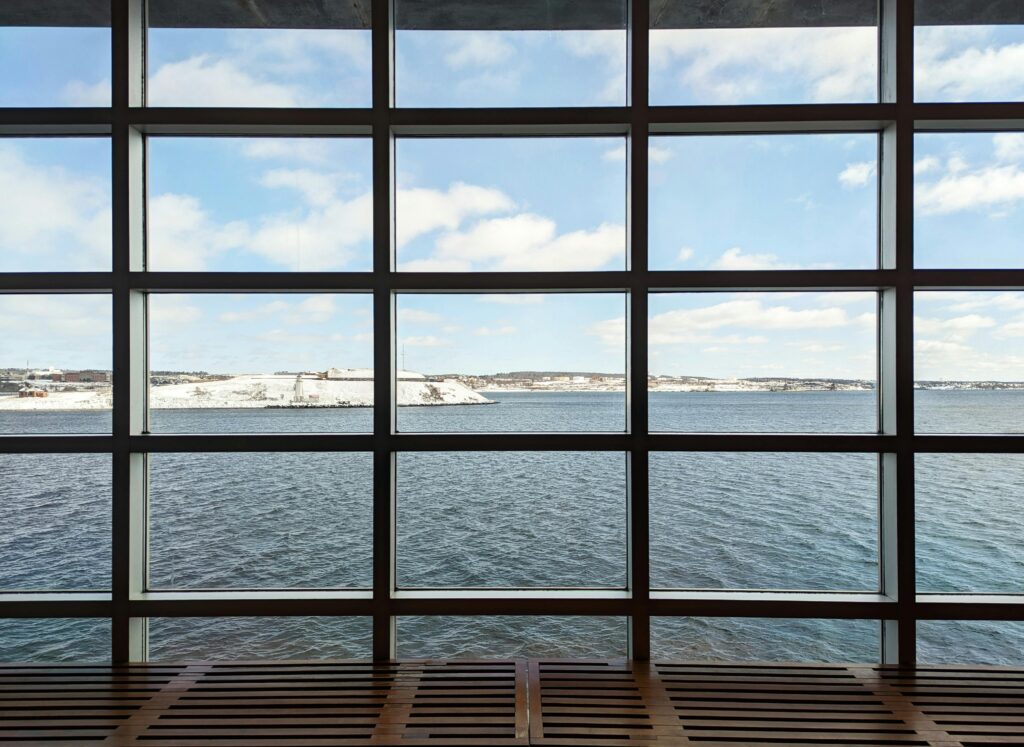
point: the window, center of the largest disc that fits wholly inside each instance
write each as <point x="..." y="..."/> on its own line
<point x="352" y="329"/>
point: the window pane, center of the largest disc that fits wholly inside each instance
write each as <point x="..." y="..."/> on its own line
<point x="968" y="362"/>
<point x="763" y="202"/>
<point x="759" y="639"/>
<point x="504" y="53"/>
<point x="968" y="200"/>
<point x="756" y="53"/>
<point x="969" y="523"/>
<point x="968" y="51"/>
<point x="55" y="213"/>
<point x="55" y="53"/>
<point x="970" y="642"/>
<point x="515" y="519"/>
<point x="763" y="362"/>
<point x="261" y="363"/>
<point x="764" y="521"/>
<point x="256" y="520"/>
<point x="55" y="639"/>
<point x="507" y="637"/>
<point x="539" y="204"/>
<point x="252" y="204"/>
<point x="540" y="362"/>
<point x="55" y="355"/>
<point x="279" y="53"/>
<point x="226" y="638"/>
<point x="55" y="522"/>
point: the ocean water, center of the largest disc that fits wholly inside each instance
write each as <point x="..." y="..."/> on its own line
<point x="524" y="520"/>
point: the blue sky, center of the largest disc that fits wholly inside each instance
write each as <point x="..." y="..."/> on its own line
<point x="736" y="202"/>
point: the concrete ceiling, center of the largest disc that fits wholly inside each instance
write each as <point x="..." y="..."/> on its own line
<point x="504" y="14"/>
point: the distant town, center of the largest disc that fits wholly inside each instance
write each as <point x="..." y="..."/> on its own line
<point x="29" y="382"/>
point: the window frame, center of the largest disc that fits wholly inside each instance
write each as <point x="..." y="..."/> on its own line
<point x="895" y="117"/>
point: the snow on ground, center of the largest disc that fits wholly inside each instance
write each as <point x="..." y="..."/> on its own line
<point x="264" y="390"/>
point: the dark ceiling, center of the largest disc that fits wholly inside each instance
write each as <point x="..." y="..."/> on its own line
<point x="504" y="14"/>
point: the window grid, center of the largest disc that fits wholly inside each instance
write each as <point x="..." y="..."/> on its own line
<point x="895" y="118"/>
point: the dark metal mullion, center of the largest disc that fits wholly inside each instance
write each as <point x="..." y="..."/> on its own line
<point x="637" y="185"/>
<point x="382" y="34"/>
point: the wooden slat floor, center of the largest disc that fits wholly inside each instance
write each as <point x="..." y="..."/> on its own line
<point x="514" y="702"/>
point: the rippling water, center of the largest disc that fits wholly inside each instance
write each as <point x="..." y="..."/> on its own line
<point x="718" y="520"/>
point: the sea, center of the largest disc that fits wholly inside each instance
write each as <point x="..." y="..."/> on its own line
<point x="522" y="520"/>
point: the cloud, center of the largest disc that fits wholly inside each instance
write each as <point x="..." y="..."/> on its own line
<point x="962" y="189"/>
<point x="182" y="236"/>
<point x="685" y="254"/>
<point x="735" y="259"/>
<point x="964" y="63"/>
<point x="418" y="316"/>
<point x="476" y="50"/>
<point x="953" y="329"/>
<point x="513" y="299"/>
<point x="495" y="331"/>
<point x="259" y="312"/>
<point x="729" y="65"/>
<point x="52" y="214"/>
<point x="309" y="150"/>
<point x="693" y="325"/>
<point x="926" y="165"/>
<point x="608" y="49"/>
<point x="422" y="210"/>
<point x="203" y="80"/>
<point x="1009" y="146"/>
<point x="316" y="187"/>
<point x="531" y="242"/>
<point x="857" y="174"/>
<point x="425" y="341"/>
<point x="79" y="93"/>
<point x="168" y="310"/>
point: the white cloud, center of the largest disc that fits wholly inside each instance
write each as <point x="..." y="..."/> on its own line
<point x="513" y="299"/>
<point x="608" y="49"/>
<point x="50" y="213"/>
<point x="964" y="63"/>
<point x="926" y="165"/>
<point x="728" y="65"/>
<point x="182" y="236"/>
<point x="259" y="312"/>
<point x="418" y="316"/>
<point x="507" y="329"/>
<point x="1009" y="146"/>
<point x="962" y="188"/>
<point x="422" y="210"/>
<point x="316" y="187"/>
<point x="309" y="150"/>
<point x="425" y="341"/>
<point x="735" y="259"/>
<point x="857" y="174"/>
<point x="693" y="325"/>
<point x="80" y="93"/>
<point x="478" y="49"/>
<point x="685" y="254"/>
<point x="952" y="329"/>
<point x="203" y="80"/>
<point x="166" y="311"/>
<point x="530" y="242"/>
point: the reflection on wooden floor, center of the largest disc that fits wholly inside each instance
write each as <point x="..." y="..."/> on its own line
<point x="544" y="702"/>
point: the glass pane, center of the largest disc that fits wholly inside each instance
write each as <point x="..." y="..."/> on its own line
<point x="760" y="639"/>
<point x="758" y="53"/>
<point x="507" y="637"/>
<point x="764" y="521"/>
<point x="505" y="53"/>
<point x="55" y="354"/>
<point x="55" y="214"/>
<point x="253" y="204"/>
<point x="55" y="53"/>
<point x="226" y="638"/>
<point x="515" y="519"/>
<point x="763" y="362"/>
<point x="970" y="642"/>
<point x="55" y="522"/>
<point x="969" y="523"/>
<point x="256" y="520"/>
<point x="261" y="363"/>
<point x="54" y="639"/>
<point x="968" y="362"/>
<point x="278" y="53"/>
<point x="540" y="362"/>
<point x="540" y="204"/>
<point x="968" y="198"/>
<point x="968" y="51"/>
<point x="763" y="202"/>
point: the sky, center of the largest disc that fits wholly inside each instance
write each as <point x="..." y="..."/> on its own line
<point x="726" y="202"/>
